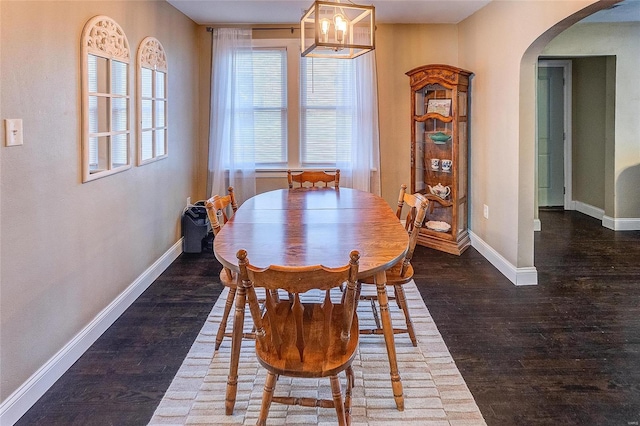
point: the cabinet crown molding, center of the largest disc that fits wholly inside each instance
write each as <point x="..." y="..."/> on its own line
<point x="447" y="74"/>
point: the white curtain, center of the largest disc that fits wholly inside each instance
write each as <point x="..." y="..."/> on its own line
<point x="363" y="171"/>
<point x="231" y="140"/>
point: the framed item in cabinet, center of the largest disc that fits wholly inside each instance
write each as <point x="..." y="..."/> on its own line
<point x="439" y="150"/>
<point x="439" y="106"/>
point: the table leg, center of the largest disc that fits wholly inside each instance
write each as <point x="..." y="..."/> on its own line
<point x="236" y="344"/>
<point x="387" y="328"/>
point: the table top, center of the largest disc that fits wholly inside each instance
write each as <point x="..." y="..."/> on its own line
<point x="303" y="227"/>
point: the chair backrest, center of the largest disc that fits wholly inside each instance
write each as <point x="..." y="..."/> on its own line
<point x="218" y="205"/>
<point x="296" y="280"/>
<point x="415" y="218"/>
<point x="313" y="177"/>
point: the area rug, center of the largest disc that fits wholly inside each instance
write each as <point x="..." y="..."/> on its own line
<point x="435" y="392"/>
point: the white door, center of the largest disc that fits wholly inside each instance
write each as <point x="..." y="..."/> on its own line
<point x="550" y="136"/>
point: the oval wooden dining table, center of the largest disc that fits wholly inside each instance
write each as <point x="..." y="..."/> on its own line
<point x="303" y="227"/>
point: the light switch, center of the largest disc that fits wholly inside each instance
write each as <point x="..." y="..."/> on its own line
<point x="13" y="131"/>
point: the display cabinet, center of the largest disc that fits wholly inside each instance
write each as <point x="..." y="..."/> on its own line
<point x="439" y="152"/>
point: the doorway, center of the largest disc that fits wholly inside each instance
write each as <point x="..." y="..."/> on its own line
<point x="575" y="134"/>
<point x="553" y="145"/>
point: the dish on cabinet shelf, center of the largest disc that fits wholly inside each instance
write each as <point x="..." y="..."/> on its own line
<point x="439" y="137"/>
<point x="436" y="225"/>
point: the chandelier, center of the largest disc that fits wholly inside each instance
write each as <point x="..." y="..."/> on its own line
<point x="330" y="29"/>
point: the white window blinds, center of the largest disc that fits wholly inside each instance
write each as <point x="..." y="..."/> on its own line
<point x="269" y="67"/>
<point x="326" y="111"/>
<point x="108" y="113"/>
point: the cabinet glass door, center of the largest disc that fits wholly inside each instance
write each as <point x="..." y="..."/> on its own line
<point x="434" y="148"/>
<point x="439" y="150"/>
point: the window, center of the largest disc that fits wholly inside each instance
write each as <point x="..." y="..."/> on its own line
<point x="106" y="102"/>
<point x="269" y="76"/>
<point x="325" y="111"/>
<point x="152" y="101"/>
<point x="302" y="110"/>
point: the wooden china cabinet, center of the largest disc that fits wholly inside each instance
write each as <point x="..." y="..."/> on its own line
<point x="439" y="151"/>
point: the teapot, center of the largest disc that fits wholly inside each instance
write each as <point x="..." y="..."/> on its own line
<point x="440" y="190"/>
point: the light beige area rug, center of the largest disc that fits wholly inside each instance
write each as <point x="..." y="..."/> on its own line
<point x="434" y="390"/>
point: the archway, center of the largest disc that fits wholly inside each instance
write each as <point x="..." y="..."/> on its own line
<point x="501" y="44"/>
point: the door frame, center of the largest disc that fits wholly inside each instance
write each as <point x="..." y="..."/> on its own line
<point x="566" y="65"/>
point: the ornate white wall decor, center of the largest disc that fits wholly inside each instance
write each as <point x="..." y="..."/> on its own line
<point x="106" y="100"/>
<point x="151" y="54"/>
<point x="152" y="101"/>
<point x="103" y="36"/>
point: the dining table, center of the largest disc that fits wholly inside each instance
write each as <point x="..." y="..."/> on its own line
<point x="314" y="226"/>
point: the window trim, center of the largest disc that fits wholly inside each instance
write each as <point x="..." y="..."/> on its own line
<point x="258" y="107"/>
<point x="104" y="38"/>
<point x="294" y="109"/>
<point x="151" y="55"/>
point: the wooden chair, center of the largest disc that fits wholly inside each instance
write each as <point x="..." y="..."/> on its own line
<point x="296" y="339"/>
<point x="314" y="177"/>
<point x="402" y="272"/>
<point x="217" y="211"/>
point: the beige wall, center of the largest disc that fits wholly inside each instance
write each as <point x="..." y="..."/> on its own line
<point x="621" y="40"/>
<point x="589" y="122"/>
<point x="69" y="249"/>
<point x="399" y="48"/>
<point x="500" y="44"/>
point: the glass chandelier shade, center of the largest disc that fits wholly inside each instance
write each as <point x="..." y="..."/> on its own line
<point x="330" y="29"/>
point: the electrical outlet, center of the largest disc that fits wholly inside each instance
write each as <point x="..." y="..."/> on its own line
<point x="486" y="211"/>
<point x="13" y="131"/>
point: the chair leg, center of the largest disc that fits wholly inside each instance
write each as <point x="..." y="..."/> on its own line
<point x="376" y="317"/>
<point x="225" y="316"/>
<point x="347" y="397"/>
<point x="401" y="299"/>
<point x="337" y="400"/>
<point x="236" y="346"/>
<point x="356" y="296"/>
<point x="267" y="396"/>
<point x="395" y="297"/>
<point x="387" y="329"/>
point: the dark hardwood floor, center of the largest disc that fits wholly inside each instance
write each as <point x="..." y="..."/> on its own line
<point x="121" y="379"/>
<point x="564" y="352"/>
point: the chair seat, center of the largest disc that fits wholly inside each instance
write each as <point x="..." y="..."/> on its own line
<point x="322" y="356"/>
<point x="229" y="278"/>
<point x="393" y="275"/>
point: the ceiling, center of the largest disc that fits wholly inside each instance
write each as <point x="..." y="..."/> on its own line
<point x="206" y="12"/>
<point x="625" y="11"/>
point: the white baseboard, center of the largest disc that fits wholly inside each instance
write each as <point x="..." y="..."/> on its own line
<point x="589" y="210"/>
<point x="518" y="276"/>
<point x="537" y="225"/>
<point x="613" y="223"/>
<point x="19" y="402"/>
<point x="609" y="222"/>
<point x="621" y="223"/>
